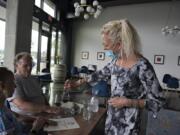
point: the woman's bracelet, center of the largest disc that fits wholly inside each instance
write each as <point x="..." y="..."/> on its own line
<point x="137" y="103"/>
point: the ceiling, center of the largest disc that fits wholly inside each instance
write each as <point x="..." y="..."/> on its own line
<point x="68" y="5"/>
<point x="120" y="2"/>
<point x="106" y="3"/>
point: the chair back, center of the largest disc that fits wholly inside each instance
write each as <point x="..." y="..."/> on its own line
<point x="171" y="82"/>
<point x="101" y="89"/>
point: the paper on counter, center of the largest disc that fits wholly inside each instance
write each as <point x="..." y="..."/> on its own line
<point x="63" y="124"/>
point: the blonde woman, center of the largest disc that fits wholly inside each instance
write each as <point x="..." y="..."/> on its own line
<point x="134" y="84"/>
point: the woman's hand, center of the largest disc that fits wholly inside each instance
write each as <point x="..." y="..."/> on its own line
<point x="119" y="102"/>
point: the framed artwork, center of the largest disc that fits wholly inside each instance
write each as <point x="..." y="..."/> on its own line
<point x="100" y="55"/>
<point x="84" y="55"/>
<point x="178" y="61"/>
<point x="159" y="59"/>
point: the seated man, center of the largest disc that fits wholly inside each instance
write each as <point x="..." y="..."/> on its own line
<point x="28" y="97"/>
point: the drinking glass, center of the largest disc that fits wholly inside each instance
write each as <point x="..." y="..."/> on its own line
<point x="65" y="96"/>
<point x="87" y="111"/>
<point x="57" y="99"/>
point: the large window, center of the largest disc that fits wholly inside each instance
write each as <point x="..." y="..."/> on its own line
<point x="45" y="53"/>
<point x="2" y="39"/>
<point x="34" y="45"/>
<point x="59" y="47"/>
<point x="48" y="6"/>
<point x="44" y="49"/>
<point x="53" y="46"/>
<point x="55" y="50"/>
<point x="41" y="58"/>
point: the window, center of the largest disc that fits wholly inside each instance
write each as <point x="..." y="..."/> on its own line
<point x="49" y="7"/>
<point x="44" y="44"/>
<point x="45" y="27"/>
<point x="2" y="39"/>
<point x="38" y="3"/>
<point x="34" y="45"/>
<point x="44" y="54"/>
<point x="59" y="47"/>
<point x="53" y="45"/>
<point x="55" y="50"/>
<point x="39" y="52"/>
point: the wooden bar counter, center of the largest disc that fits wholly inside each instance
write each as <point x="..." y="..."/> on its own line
<point x="86" y="126"/>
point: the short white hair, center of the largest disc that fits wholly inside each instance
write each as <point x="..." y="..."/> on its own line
<point x="22" y="55"/>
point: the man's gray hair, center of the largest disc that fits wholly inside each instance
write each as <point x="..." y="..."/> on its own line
<point x="22" y="55"/>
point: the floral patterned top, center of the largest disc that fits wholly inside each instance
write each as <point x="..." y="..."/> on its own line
<point x="137" y="82"/>
<point x="9" y="124"/>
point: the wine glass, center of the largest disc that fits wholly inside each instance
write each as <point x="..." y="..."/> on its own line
<point x="66" y="96"/>
<point x="57" y="99"/>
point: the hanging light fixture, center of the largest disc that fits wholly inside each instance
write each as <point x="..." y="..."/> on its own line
<point x="87" y="10"/>
<point x="170" y="31"/>
<point x="166" y="30"/>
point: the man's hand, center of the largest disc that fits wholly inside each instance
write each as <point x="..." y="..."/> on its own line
<point x="38" y="124"/>
<point x="54" y="110"/>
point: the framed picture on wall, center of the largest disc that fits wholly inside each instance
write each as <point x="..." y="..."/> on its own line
<point x="178" y="61"/>
<point x="159" y="59"/>
<point x="84" y="55"/>
<point x="100" y="55"/>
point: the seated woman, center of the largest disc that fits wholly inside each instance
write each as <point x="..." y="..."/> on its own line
<point x="8" y="123"/>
